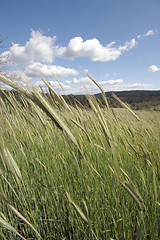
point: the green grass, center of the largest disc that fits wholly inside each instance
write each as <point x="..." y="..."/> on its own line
<point x="71" y="173"/>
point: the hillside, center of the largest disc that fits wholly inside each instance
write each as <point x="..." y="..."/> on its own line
<point x="139" y="99"/>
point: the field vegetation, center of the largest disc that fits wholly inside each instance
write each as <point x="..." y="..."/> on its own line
<point x="76" y="173"/>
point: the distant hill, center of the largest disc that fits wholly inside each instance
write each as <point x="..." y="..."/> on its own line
<point x="136" y="96"/>
<point x="138" y="99"/>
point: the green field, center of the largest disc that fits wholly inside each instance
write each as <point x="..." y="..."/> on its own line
<point x="73" y="173"/>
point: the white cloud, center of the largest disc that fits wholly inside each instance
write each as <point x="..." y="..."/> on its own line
<point x="86" y="80"/>
<point x="38" y="48"/>
<point x="149" y="33"/>
<point x="85" y="84"/>
<point x="93" y="49"/>
<point x="79" y="81"/>
<point x="153" y="68"/>
<point x="136" y="86"/>
<point x="43" y="70"/>
<point x="111" y="82"/>
<point x="55" y="86"/>
<point x="41" y="48"/>
<point x="36" y="57"/>
<point x="110" y="44"/>
<point x="5" y="59"/>
<point x="75" y="87"/>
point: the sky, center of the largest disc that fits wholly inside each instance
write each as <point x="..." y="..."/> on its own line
<point x="116" y="41"/>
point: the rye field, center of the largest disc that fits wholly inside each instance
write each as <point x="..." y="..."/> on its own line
<point x="75" y="173"/>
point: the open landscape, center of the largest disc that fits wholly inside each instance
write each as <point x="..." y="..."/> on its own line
<point x="77" y="173"/>
<point x="80" y="120"/>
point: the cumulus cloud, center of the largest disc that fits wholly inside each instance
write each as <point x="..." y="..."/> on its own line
<point x="43" y="70"/>
<point x="38" y="48"/>
<point x="79" y="81"/>
<point x="5" y="59"/>
<point x="86" y="80"/>
<point x="85" y="83"/>
<point x="93" y="49"/>
<point x="112" y="85"/>
<point x="41" y="48"/>
<point x="153" y="68"/>
<point x="111" y="82"/>
<point x="55" y="85"/>
<point x="38" y="54"/>
<point x="36" y="57"/>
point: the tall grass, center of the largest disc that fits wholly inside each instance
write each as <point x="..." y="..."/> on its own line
<point x="72" y="173"/>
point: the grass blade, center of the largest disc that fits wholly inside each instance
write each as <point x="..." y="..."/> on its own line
<point x="101" y="89"/>
<point x="134" y="195"/>
<point x="125" y="106"/>
<point x="55" y="116"/>
<point x="19" y="214"/>
<point x="9" y="227"/>
<point x="77" y="208"/>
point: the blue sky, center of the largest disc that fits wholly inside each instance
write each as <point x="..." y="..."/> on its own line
<point x="117" y="42"/>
